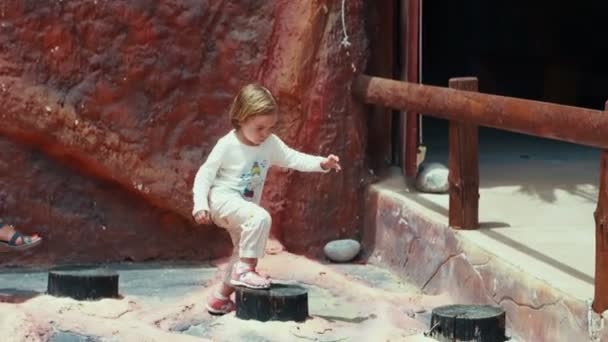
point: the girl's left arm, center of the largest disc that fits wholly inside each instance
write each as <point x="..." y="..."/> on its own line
<point x="285" y="156"/>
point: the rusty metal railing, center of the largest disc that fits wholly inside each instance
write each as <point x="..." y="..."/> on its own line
<point x="467" y="109"/>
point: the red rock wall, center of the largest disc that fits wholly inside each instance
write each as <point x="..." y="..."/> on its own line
<point x="107" y="109"/>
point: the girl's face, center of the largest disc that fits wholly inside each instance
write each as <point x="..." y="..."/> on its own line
<point x="257" y="129"/>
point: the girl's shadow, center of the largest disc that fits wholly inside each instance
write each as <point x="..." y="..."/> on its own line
<point x="16" y="296"/>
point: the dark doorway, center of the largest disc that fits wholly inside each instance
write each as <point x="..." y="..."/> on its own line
<point x="540" y="50"/>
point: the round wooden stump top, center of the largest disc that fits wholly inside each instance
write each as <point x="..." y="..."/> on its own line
<point x="276" y="290"/>
<point x="469" y="311"/>
<point x="84" y="272"/>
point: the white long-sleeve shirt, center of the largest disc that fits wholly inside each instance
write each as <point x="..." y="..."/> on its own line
<point x="236" y="168"/>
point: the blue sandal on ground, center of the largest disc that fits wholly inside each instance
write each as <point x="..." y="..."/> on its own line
<point x="26" y="242"/>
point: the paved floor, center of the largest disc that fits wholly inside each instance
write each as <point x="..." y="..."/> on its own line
<point x="537" y="198"/>
<point x="163" y="302"/>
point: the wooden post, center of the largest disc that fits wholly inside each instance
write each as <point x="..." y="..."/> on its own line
<point x="600" y="300"/>
<point x="463" y="163"/>
<point x="412" y="48"/>
<point x="381" y="63"/>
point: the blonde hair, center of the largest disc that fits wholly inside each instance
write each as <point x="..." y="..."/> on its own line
<point x="252" y="100"/>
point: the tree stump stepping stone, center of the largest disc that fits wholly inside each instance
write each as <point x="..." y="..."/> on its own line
<point x="282" y="302"/>
<point x="83" y="283"/>
<point x="479" y="323"/>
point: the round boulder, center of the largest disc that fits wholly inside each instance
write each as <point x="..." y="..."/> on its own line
<point x="342" y="250"/>
<point x="433" y="178"/>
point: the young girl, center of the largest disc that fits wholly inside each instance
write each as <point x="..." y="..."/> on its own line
<point x="228" y="186"/>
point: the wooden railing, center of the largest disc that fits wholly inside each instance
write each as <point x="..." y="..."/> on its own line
<point x="467" y="109"/>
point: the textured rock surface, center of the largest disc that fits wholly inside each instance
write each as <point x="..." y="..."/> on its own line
<point x="429" y="254"/>
<point x="135" y="94"/>
<point x="84" y="219"/>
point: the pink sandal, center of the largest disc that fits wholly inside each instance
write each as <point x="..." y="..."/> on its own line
<point x="245" y="275"/>
<point x="217" y="304"/>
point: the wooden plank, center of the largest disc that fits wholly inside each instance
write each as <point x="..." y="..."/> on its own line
<point x="600" y="301"/>
<point x="463" y="163"/>
<point x="573" y="124"/>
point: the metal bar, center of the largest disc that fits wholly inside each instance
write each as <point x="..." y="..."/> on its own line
<point x="548" y="120"/>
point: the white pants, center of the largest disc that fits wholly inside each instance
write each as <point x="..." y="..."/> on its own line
<point x="248" y="223"/>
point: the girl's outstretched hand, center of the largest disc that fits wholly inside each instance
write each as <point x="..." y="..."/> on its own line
<point x="202" y="217"/>
<point x="331" y="162"/>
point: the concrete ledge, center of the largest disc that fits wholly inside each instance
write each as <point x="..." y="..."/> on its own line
<point x="417" y="244"/>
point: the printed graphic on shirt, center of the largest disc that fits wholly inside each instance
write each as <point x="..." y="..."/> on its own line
<point x="253" y="179"/>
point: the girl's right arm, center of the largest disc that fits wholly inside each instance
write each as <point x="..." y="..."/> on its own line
<point x="204" y="178"/>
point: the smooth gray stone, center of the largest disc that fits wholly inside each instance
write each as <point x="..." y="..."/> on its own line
<point x="433" y="178"/>
<point x="342" y="250"/>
